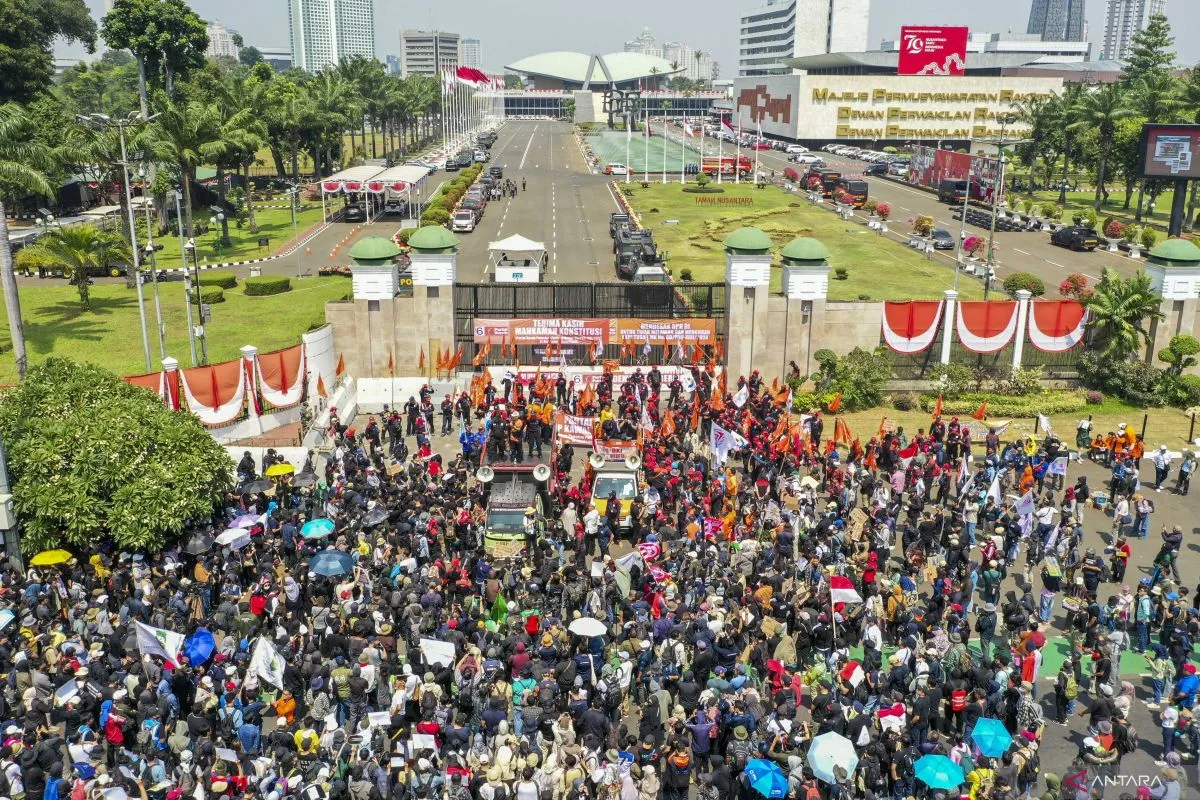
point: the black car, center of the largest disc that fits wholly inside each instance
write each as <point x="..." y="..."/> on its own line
<point x="878" y="168"/>
<point x="355" y="213"/>
<point x="496" y="171"/>
<point x="942" y="240"/>
<point x="1076" y="238"/>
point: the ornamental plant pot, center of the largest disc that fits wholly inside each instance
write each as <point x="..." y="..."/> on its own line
<point x="1112" y="245"/>
<point x="1046" y="226"/>
<point x="883" y="228"/>
<point x="1135" y="250"/>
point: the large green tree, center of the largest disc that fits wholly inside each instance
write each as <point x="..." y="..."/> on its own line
<point x="95" y="459"/>
<point x="1101" y="109"/>
<point x="28" y="30"/>
<point x="165" y="36"/>
<point x="1119" y="314"/>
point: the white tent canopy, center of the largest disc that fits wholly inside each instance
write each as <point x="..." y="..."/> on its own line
<point x="518" y="244"/>
<point x="517" y="259"/>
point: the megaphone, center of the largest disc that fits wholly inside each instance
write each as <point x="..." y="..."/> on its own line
<point x="596" y="460"/>
<point x="485" y="474"/>
<point x="633" y="461"/>
<point x="541" y="473"/>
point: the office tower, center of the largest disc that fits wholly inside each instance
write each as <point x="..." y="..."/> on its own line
<point x="323" y="32"/>
<point x="1057" y="20"/>
<point x="470" y="54"/>
<point x="1123" y="21"/>
<point x="428" y="52"/>
<point x="782" y="29"/>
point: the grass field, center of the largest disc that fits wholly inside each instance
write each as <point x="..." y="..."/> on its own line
<point x="877" y="268"/>
<point x="1077" y="201"/>
<point x="274" y="224"/>
<point x="110" y="335"/>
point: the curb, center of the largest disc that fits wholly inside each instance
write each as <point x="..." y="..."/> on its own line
<point x="282" y="254"/>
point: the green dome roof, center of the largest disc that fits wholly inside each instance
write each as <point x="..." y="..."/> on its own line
<point x="805" y="248"/>
<point x="432" y="237"/>
<point x="748" y="239"/>
<point x="374" y="248"/>
<point x="1177" y="252"/>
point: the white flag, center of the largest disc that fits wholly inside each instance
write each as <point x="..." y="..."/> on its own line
<point x="963" y="473"/>
<point x="160" y="642"/>
<point x="1025" y="506"/>
<point x="994" y="493"/>
<point x="1044" y="422"/>
<point x="743" y="394"/>
<point x="723" y="441"/>
<point x="267" y="663"/>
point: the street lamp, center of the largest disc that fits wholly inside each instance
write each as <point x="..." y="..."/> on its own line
<point x="198" y="331"/>
<point x="187" y="297"/>
<point x="219" y="212"/>
<point x="997" y="187"/>
<point x="295" y="192"/>
<point x="213" y="222"/>
<point x="150" y="250"/>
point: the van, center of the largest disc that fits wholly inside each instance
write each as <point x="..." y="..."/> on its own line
<point x="856" y="188"/>
<point x="951" y="190"/>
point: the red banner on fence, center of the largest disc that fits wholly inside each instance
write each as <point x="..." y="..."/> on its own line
<point x="601" y="331"/>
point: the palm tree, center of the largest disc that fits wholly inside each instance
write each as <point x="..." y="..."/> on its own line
<point x="1035" y="112"/>
<point x="1102" y="109"/>
<point x="82" y="250"/>
<point x="1119" y="311"/>
<point x="1189" y="100"/>
<point x="186" y="134"/>
<point x="243" y="131"/>
<point x="334" y="103"/>
<point x="1062" y="115"/>
<point x="23" y="164"/>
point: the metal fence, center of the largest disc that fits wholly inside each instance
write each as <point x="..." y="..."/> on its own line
<point x="919" y="366"/>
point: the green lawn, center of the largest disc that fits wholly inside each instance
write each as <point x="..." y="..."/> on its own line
<point x="110" y="335"/>
<point x="878" y="268"/>
<point x="274" y="224"/>
<point x="1115" y="207"/>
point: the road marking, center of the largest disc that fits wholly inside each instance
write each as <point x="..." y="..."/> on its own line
<point x="904" y="208"/>
<point x="1056" y="264"/>
<point x="526" y="153"/>
<point x="1022" y="252"/>
<point x="1093" y="277"/>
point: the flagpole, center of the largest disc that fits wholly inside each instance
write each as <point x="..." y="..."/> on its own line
<point x="737" y="160"/>
<point x="664" y="160"/>
<point x="683" y="151"/>
<point x="720" y="149"/>
<point x="757" y="142"/>
<point x="628" y="141"/>
<point x="646" y="140"/>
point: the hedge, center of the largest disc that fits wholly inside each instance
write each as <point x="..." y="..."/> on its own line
<point x="222" y="278"/>
<point x="1000" y="406"/>
<point x="210" y="294"/>
<point x="268" y="284"/>
<point x="436" y="216"/>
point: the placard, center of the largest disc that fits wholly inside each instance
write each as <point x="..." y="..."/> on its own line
<point x="438" y="652"/>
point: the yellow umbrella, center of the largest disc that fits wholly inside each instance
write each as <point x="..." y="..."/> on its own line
<point x="275" y="470"/>
<point x="49" y="558"/>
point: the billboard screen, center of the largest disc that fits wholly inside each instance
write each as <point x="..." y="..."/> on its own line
<point x="1170" y="151"/>
<point x="930" y="166"/>
<point x="932" y="50"/>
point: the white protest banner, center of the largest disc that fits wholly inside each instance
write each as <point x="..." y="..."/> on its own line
<point x="1058" y="467"/>
<point x="438" y="652"/>
<point x="1026" y="506"/>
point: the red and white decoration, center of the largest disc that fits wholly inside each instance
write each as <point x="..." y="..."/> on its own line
<point x="1056" y="326"/>
<point x="841" y="590"/>
<point x="852" y="673"/>
<point x="893" y="717"/>
<point x="650" y="550"/>
<point x="281" y="376"/>
<point x="986" y="326"/>
<point x="911" y="327"/>
<point x="216" y="393"/>
<point x="164" y="384"/>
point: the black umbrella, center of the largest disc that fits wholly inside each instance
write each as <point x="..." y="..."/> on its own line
<point x="198" y="543"/>
<point x="304" y="480"/>
<point x="256" y="487"/>
<point x="374" y="516"/>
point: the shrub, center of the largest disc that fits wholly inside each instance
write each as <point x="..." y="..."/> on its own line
<point x="685" y="274"/>
<point x="1075" y="286"/>
<point x="841" y="273"/>
<point x="922" y="225"/>
<point x="1024" y="280"/>
<point x="905" y="401"/>
<point x="790" y="174"/>
<point x="860" y="376"/>
<point x="1028" y="205"/>
<point x="951" y="380"/>
<point x="436" y="216"/>
<point x="1095" y="398"/>
<point x="268" y="284"/>
<point x="404" y="235"/>
<point x="1001" y="405"/>
<point x="1130" y="234"/>
<point x="1085" y="217"/>
<point x="1051" y="211"/>
<point x="703" y="180"/>
<point x="1113" y="228"/>
<point x="210" y="294"/>
<point x="870" y="206"/>
<point x="1149" y="237"/>
<point x="843" y="197"/>
<point x="222" y="278"/>
<point x="1133" y="381"/>
<point x="973" y="244"/>
<point x="883" y="210"/>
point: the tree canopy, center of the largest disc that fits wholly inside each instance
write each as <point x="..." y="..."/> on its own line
<point x="28" y="29"/>
<point x="93" y="458"/>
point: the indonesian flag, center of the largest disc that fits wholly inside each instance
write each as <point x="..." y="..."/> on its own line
<point x="908" y="453"/>
<point x="687" y="130"/>
<point x="841" y="590"/>
<point x="852" y="673"/>
<point x="650" y="550"/>
<point x="469" y="76"/>
<point x="726" y="127"/>
<point x="893" y="717"/>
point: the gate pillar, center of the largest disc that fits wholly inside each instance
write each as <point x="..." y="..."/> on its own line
<point x="747" y="280"/>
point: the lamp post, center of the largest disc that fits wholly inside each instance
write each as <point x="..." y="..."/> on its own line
<point x="997" y="187"/>
<point x="214" y="221"/>
<point x="187" y="296"/>
<point x="158" y="316"/>
<point x="199" y="329"/>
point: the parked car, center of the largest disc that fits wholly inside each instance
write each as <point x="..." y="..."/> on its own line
<point x="617" y="169"/>
<point x="796" y="148"/>
<point x="942" y="239"/>
<point x="496" y="171"/>
<point x="481" y="157"/>
<point x="1075" y="238"/>
<point x="355" y="213"/>
<point x="876" y="169"/>
<point x="803" y="158"/>
<point x="472" y="204"/>
<point x="462" y="222"/>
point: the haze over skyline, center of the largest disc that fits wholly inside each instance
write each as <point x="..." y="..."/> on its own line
<point x="507" y="34"/>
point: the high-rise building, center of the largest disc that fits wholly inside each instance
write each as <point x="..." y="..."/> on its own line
<point x="428" y="52"/>
<point x="696" y="64"/>
<point x="393" y="64"/>
<point x="323" y="32"/>
<point x="470" y="54"/>
<point x="782" y="29"/>
<point x="1057" y="20"/>
<point x="1030" y="44"/>
<point x="220" y="41"/>
<point x="1125" y="18"/>
<point x="277" y="57"/>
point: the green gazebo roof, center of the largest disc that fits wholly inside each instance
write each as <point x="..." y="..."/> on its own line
<point x="805" y="248"/>
<point x="374" y="248"/>
<point x="748" y="240"/>
<point x="1176" y="252"/>
<point x="432" y="237"/>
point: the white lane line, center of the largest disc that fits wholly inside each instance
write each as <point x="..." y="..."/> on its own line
<point x="1090" y="277"/>
<point x="526" y="153"/>
<point x="1022" y="252"/>
<point x="1056" y="264"/>
<point x="904" y="208"/>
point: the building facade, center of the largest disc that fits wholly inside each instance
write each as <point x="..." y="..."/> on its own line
<point x="1125" y="18"/>
<point x="428" y="52"/>
<point x="1057" y="20"/>
<point x="1031" y="44"/>
<point x="783" y="29"/>
<point x="278" y="57"/>
<point x="323" y="32"/>
<point x="393" y="64"/>
<point x="470" y="54"/>
<point x="220" y="41"/>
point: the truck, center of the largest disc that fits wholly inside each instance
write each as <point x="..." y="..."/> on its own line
<point x="620" y="477"/>
<point x="632" y="248"/>
<point x="509" y="491"/>
<point x="616" y="221"/>
<point x="726" y="165"/>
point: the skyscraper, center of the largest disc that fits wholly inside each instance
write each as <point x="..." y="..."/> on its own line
<point x="323" y="32"/>
<point x="782" y="29"/>
<point x="1057" y="20"/>
<point x="220" y="41"/>
<point x="1125" y="18"/>
<point x="428" y="52"/>
<point x="470" y="53"/>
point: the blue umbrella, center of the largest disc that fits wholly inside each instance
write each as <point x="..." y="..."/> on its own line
<point x="991" y="737"/>
<point x="330" y="563"/>
<point x="317" y="528"/>
<point x="766" y="778"/>
<point x="199" y="647"/>
<point x="938" y="772"/>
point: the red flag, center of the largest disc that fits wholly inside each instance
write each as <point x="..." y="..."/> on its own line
<point x="696" y="353"/>
<point x="937" y="407"/>
<point x="341" y="367"/>
<point x="457" y="359"/>
<point x="835" y="403"/>
<point x="696" y="413"/>
<point x="321" y="392"/>
<point x="391" y="363"/>
<point x="421" y="360"/>
<point x="440" y="362"/>
<point x="981" y="412"/>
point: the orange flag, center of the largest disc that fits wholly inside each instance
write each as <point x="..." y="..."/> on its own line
<point x="321" y="392"/>
<point x="668" y="425"/>
<point x="696" y="353"/>
<point x="883" y="427"/>
<point x="981" y="412"/>
<point x="341" y="367"/>
<point x="391" y="363"/>
<point x="937" y="407"/>
<point x="870" y="460"/>
<point x="718" y="350"/>
<point x="835" y="403"/>
<point x="696" y="413"/>
<point x="592" y="353"/>
<point x="717" y="403"/>
<point x="487" y="348"/>
<point x="841" y="431"/>
<point x="439" y="362"/>
<point x="458" y="357"/>
<point x="477" y="360"/>
<point x="421" y="360"/>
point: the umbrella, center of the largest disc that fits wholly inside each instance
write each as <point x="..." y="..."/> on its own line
<point x="317" y="528"/>
<point x="48" y="558"/>
<point x="200" y="646"/>
<point x="246" y="521"/>
<point x="828" y="750"/>
<point x="304" y="480"/>
<point x="235" y="538"/>
<point x="375" y="516"/>
<point x="991" y="737"/>
<point x="587" y="626"/>
<point x="330" y="563"/>
<point x="276" y="470"/>
<point x="198" y="543"/>
<point x="766" y="778"/>
<point x="7" y="615"/>
<point x="257" y="487"/>
<point x="938" y="772"/>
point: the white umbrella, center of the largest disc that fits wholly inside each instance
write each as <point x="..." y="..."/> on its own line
<point x="828" y="750"/>
<point x="236" y="538"/>
<point x="587" y="626"/>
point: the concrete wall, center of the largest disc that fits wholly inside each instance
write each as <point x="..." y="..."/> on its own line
<point x="366" y="333"/>
<point x="797" y="329"/>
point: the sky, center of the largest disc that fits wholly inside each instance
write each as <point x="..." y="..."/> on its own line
<point x="517" y="28"/>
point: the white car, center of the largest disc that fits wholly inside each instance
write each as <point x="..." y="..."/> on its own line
<point x="797" y="148"/>
<point x="616" y="169"/>
<point x="462" y="221"/>
<point x="804" y="158"/>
